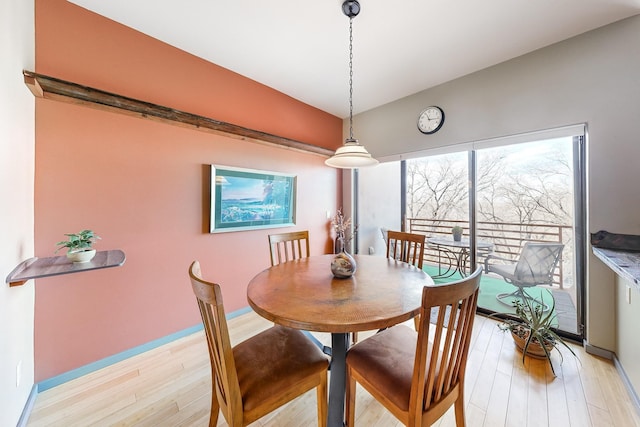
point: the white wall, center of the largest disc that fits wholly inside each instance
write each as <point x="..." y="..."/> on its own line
<point x="593" y="78"/>
<point x="627" y="319"/>
<point x="383" y="211"/>
<point x="16" y="216"/>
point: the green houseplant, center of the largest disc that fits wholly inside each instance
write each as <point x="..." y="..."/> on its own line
<point x="532" y="329"/>
<point x="79" y="245"/>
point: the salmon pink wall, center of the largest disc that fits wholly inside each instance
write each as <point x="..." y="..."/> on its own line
<point x="82" y="47"/>
<point x="143" y="186"/>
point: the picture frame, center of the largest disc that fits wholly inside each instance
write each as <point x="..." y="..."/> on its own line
<point x="248" y="199"/>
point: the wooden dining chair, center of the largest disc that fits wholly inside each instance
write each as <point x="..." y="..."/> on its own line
<point x="285" y="247"/>
<point x="260" y="374"/>
<point x="418" y="380"/>
<point x="407" y="247"/>
<point x="288" y="246"/>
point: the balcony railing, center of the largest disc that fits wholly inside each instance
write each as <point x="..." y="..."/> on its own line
<point x="507" y="237"/>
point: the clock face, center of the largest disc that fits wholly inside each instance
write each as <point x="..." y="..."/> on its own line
<point x="430" y="120"/>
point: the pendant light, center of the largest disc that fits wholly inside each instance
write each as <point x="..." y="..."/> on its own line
<point x="351" y="155"/>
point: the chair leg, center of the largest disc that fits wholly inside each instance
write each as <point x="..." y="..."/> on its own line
<point x="215" y="410"/>
<point x="521" y="295"/>
<point x="350" y="400"/>
<point x="540" y="302"/>
<point x="459" y="411"/>
<point x="510" y="295"/>
<point x="321" y="395"/>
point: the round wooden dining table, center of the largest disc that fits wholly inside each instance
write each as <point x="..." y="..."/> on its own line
<point x="303" y="294"/>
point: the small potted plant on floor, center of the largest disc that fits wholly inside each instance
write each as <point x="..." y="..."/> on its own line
<point x="79" y="246"/>
<point x="532" y="329"/>
<point x="457" y="233"/>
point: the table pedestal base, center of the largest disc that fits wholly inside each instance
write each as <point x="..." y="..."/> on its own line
<point x="339" y="347"/>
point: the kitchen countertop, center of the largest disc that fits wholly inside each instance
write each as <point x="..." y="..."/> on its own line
<point x="624" y="263"/>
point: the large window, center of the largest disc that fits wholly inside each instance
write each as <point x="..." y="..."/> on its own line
<point x="505" y="193"/>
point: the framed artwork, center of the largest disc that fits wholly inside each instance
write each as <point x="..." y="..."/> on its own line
<point x="247" y="199"/>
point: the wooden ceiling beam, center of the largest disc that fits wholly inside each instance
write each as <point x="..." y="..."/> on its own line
<point x="60" y="90"/>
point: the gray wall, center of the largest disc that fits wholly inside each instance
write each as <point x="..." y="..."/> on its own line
<point x="627" y="317"/>
<point x="17" y="161"/>
<point x="593" y="78"/>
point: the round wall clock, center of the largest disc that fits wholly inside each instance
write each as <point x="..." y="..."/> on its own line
<point x="430" y="120"/>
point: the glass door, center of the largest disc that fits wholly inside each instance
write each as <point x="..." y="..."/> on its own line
<point x="528" y="206"/>
<point x="438" y="206"/>
<point x="525" y="204"/>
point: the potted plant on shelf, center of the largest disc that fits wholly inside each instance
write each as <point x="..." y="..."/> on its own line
<point x="457" y="233"/>
<point x="532" y="329"/>
<point x="79" y="246"/>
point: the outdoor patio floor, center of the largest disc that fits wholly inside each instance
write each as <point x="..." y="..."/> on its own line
<point x="491" y="286"/>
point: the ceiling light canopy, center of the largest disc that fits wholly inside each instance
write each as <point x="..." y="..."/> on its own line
<point x="351" y="155"/>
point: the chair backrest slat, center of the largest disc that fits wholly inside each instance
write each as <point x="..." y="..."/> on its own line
<point x="288" y="246"/>
<point x="407" y="247"/>
<point x="537" y="263"/>
<point x="440" y="364"/>
<point x="223" y="369"/>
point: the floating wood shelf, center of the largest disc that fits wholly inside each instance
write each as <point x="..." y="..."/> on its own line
<point x="60" y="90"/>
<point x="34" y="268"/>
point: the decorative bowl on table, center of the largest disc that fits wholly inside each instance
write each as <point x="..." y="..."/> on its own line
<point x="343" y="265"/>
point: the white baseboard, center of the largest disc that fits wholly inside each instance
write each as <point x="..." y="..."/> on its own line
<point x="28" y="406"/>
<point x="607" y="354"/>
<point x="627" y="383"/>
<point x="597" y="351"/>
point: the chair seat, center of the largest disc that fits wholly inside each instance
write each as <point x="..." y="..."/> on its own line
<point x="388" y="358"/>
<point x="508" y="272"/>
<point x="272" y="361"/>
<point x="505" y="270"/>
<point x="535" y="265"/>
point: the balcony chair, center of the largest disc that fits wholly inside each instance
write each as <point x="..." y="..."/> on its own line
<point x="535" y="266"/>
<point x="260" y="374"/>
<point x="418" y="380"/>
<point x="288" y="246"/>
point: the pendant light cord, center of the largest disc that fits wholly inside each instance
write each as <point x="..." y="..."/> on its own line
<point x="350" y="78"/>
<point x="351" y="155"/>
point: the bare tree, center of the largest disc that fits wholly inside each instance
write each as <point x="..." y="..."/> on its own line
<point x="437" y="188"/>
<point x="517" y="189"/>
<point x="536" y="191"/>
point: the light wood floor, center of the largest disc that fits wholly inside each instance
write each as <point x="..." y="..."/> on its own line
<point x="170" y="386"/>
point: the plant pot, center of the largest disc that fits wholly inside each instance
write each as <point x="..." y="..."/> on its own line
<point x="535" y="349"/>
<point x="81" y="256"/>
<point x="457" y="237"/>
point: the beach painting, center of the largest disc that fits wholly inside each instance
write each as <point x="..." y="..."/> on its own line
<point x="246" y="199"/>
